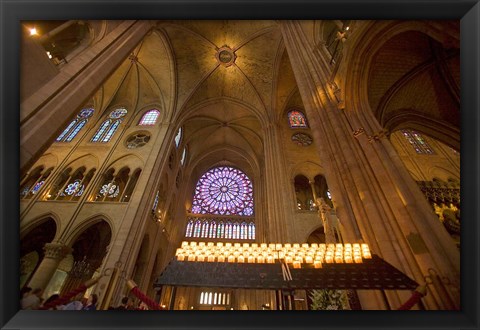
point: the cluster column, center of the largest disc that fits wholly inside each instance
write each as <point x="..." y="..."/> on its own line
<point x="371" y="198"/>
<point x="54" y="253"/>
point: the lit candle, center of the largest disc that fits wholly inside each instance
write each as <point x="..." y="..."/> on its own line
<point x="231" y="258"/>
<point x="211" y="258"/>
<point x="180" y="257"/>
<point x="251" y="259"/>
<point x="260" y="259"/>
<point x="240" y="259"/>
<point x="296" y="264"/>
<point x="191" y="257"/>
<point x="221" y="258"/>
<point x="317" y="264"/>
<point x="358" y="259"/>
<point x="308" y="259"/>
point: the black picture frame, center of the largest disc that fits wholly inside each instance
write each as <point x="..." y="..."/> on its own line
<point x="13" y="11"/>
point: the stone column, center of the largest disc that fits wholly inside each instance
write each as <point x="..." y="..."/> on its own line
<point x="374" y="200"/>
<point x="54" y="253"/>
<point x="275" y="184"/>
<point x="314" y="193"/>
<point x="45" y="113"/>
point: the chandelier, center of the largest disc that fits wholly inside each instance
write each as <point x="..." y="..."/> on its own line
<point x="81" y="269"/>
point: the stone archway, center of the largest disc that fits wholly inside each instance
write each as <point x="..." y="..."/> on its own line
<point x="32" y="247"/>
<point x="88" y="251"/>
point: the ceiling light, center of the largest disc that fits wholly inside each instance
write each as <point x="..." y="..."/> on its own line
<point x="33" y="31"/>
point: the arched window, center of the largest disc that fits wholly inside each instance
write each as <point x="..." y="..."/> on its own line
<point x="205" y="229"/>
<point x="178" y="137"/>
<point x="297" y="119"/>
<point x="213" y="230"/>
<point x="243" y="230"/>
<point x="221" y="230"/>
<point x="109" y="126"/>
<point x="418" y="142"/>
<point x="223" y="190"/>
<point x="197" y="229"/>
<point x="189" y="229"/>
<point x="119" y="187"/>
<point x="235" y="233"/>
<point x="184" y="155"/>
<point x="228" y="230"/>
<point x="303" y="192"/>
<point x="149" y="118"/>
<point x="75" y="125"/>
<point x="34" y="182"/>
<point x="251" y="230"/>
<point x="70" y="187"/>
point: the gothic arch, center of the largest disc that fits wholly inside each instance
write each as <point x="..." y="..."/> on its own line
<point x="374" y="36"/>
<point x="76" y="231"/>
<point x="28" y="226"/>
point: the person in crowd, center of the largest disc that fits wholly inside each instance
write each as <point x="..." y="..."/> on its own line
<point x="53" y="297"/>
<point x="126" y="304"/>
<point x="75" y="304"/>
<point x="142" y="306"/>
<point x="91" y="304"/>
<point x="32" y="300"/>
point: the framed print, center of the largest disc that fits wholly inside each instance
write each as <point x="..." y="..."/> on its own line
<point x="239" y="164"/>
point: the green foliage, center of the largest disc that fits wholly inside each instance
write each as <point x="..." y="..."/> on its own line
<point x="329" y="300"/>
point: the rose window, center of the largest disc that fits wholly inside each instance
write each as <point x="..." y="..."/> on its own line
<point x="225" y="191"/>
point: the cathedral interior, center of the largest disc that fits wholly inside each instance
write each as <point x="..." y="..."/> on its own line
<point x="140" y="137"/>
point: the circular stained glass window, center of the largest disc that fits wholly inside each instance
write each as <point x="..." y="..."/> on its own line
<point x="85" y="113"/>
<point x="302" y="139"/>
<point x="223" y="190"/>
<point x="137" y="140"/>
<point x="118" y="113"/>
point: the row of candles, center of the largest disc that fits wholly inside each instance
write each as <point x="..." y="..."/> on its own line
<point x="295" y="254"/>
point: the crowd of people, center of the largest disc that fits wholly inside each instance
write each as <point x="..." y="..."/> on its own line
<point x="32" y="299"/>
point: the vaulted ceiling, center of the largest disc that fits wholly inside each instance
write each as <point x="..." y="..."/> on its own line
<point x="175" y="68"/>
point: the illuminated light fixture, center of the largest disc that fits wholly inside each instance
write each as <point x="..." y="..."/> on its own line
<point x="347" y="28"/>
<point x="50" y="56"/>
<point x="293" y="254"/>
<point x="33" y="31"/>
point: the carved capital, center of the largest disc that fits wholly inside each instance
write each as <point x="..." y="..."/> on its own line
<point x="56" y="250"/>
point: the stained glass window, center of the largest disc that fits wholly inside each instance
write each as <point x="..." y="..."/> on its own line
<point x="243" y="231"/>
<point x="197" y="229"/>
<point x="205" y="229"/>
<point x="329" y="195"/>
<point x="220" y="230"/>
<point x="75" y="125"/>
<point x="178" y="137"/>
<point x="223" y="190"/>
<point x="251" y="230"/>
<point x="213" y="230"/>
<point x="297" y="119"/>
<point x="149" y="118"/>
<point x="75" y="188"/>
<point x="189" y="229"/>
<point x="418" y="142"/>
<point x="110" y="190"/>
<point x="155" y="201"/>
<point x="109" y="126"/>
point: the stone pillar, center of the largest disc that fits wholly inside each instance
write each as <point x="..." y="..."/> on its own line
<point x="314" y="193"/>
<point x="54" y="253"/>
<point x="45" y="113"/>
<point x="275" y="184"/>
<point x="375" y="202"/>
